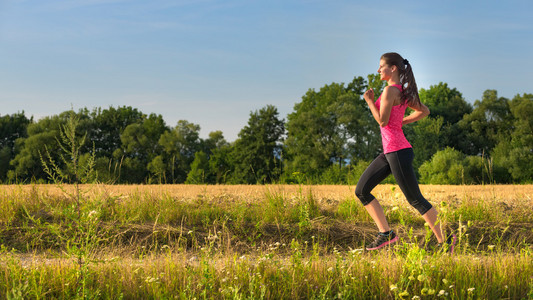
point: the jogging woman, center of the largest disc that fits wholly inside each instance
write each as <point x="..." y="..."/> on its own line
<point x="397" y="157"/>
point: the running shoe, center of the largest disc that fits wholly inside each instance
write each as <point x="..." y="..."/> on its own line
<point x="383" y="240"/>
<point x="447" y="246"/>
<point x="450" y="243"/>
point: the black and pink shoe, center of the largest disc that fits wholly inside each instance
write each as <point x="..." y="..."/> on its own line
<point x="450" y="243"/>
<point x="382" y="240"/>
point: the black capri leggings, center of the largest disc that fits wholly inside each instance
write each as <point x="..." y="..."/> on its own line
<point x="400" y="164"/>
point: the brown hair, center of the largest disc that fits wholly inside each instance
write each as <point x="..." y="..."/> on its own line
<point x="409" y="92"/>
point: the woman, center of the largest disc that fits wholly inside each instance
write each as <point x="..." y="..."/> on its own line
<point x="397" y="157"/>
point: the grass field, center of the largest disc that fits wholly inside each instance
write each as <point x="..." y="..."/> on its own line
<point x="259" y="242"/>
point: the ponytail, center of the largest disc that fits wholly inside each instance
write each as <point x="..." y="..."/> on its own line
<point x="407" y="78"/>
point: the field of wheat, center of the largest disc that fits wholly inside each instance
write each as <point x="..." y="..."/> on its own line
<point x="259" y="242"/>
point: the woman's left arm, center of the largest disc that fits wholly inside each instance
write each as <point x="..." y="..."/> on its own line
<point x="420" y="111"/>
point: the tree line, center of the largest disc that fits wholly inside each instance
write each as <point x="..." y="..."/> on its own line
<point x="329" y="138"/>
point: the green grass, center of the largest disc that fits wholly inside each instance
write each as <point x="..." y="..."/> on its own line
<point x="298" y="273"/>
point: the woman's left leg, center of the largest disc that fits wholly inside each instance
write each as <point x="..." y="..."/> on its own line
<point x="431" y="218"/>
<point x="401" y="164"/>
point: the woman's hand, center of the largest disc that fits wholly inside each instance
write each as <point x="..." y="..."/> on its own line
<point x="369" y="95"/>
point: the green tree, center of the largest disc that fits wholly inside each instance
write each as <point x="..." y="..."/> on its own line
<point x="257" y="152"/>
<point x="446" y="102"/>
<point x="178" y="148"/>
<point x="199" y="169"/>
<point x="139" y="146"/>
<point x="220" y="164"/>
<point x="514" y="152"/>
<point x="105" y="132"/>
<point x="440" y="129"/>
<point x="215" y="140"/>
<point x="12" y="127"/>
<point x="217" y="149"/>
<point x="108" y="125"/>
<point x="330" y="126"/>
<point x="490" y="120"/>
<point x="42" y="135"/>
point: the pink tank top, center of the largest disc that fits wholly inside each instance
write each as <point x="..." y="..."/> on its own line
<point x="392" y="135"/>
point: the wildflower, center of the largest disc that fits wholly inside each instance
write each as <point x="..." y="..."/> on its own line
<point x="441" y="293"/>
<point x="151" y="279"/>
<point x="411" y="277"/>
<point x="356" y="251"/>
<point x="395" y="208"/>
<point x="330" y="269"/>
<point x="404" y="294"/>
<point x="421" y="277"/>
<point x="431" y="292"/>
<point x="415" y="297"/>
<point x="471" y="290"/>
<point x="491" y="247"/>
<point x="393" y="287"/>
<point x="424" y="292"/>
<point x="445" y="281"/>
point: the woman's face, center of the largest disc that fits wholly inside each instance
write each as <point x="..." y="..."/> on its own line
<point x="385" y="70"/>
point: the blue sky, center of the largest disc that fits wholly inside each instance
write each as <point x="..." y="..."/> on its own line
<point x="213" y="62"/>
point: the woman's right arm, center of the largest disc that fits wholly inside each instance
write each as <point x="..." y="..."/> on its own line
<point x="420" y="111"/>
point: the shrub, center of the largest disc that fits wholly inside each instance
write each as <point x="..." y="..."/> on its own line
<point x="445" y="167"/>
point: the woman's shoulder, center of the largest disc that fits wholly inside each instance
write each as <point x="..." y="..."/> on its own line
<point x="397" y="87"/>
<point x="392" y="90"/>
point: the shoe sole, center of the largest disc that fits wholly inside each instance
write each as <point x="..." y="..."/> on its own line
<point x="384" y="244"/>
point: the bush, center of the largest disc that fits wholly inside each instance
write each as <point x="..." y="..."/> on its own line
<point x="450" y="166"/>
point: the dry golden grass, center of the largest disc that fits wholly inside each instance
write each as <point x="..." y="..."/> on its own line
<point x="325" y="195"/>
<point x="249" y="193"/>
